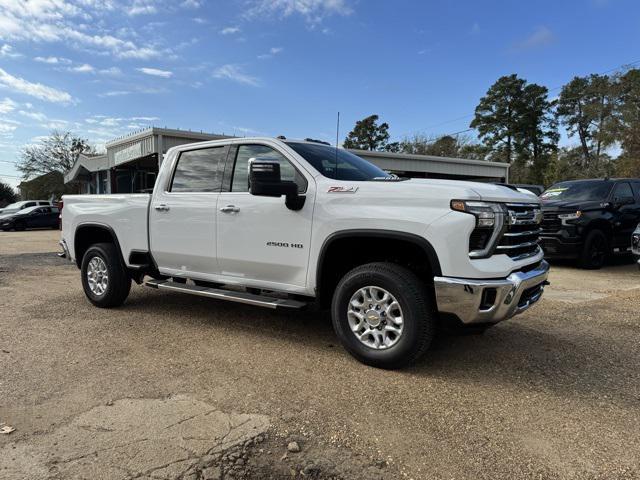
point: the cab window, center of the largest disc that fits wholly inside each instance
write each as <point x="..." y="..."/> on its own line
<point x="199" y="170"/>
<point x="240" y="178"/>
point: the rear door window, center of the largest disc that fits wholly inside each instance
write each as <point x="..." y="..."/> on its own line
<point x="199" y="170"/>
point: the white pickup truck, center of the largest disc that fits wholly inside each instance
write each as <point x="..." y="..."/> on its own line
<point x="293" y="224"/>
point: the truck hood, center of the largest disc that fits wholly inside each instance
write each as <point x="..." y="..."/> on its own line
<point x="468" y="190"/>
<point x="553" y="205"/>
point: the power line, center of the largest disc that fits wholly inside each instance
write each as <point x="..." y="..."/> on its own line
<point x="624" y="65"/>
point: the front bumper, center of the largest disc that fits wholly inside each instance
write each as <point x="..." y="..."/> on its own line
<point x="490" y="301"/>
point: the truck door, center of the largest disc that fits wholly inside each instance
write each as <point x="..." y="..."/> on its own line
<point x="626" y="214"/>
<point x="259" y="238"/>
<point x="182" y="216"/>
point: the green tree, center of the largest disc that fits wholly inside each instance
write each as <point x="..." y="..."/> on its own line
<point x="55" y="153"/>
<point x="586" y="106"/>
<point x="497" y="117"/>
<point x="537" y="136"/>
<point x="443" y="146"/>
<point x="627" y="123"/>
<point x="7" y="194"/>
<point x="368" y="135"/>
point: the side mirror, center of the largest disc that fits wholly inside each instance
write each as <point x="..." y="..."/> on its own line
<point x="265" y="181"/>
<point x="620" y="202"/>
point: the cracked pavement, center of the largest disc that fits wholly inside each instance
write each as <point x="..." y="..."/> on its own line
<point x="133" y="438"/>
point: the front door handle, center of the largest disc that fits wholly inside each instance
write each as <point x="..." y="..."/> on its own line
<point x="162" y="207"/>
<point x="230" y="209"/>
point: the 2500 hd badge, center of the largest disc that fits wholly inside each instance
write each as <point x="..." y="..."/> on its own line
<point x="285" y="245"/>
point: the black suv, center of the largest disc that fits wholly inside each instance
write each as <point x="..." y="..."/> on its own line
<point x="587" y="219"/>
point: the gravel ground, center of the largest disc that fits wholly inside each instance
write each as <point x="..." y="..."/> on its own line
<point x="553" y="393"/>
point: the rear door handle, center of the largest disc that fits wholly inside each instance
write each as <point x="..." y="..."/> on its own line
<point x="230" y="209"/>
<point x="162" y="207"/>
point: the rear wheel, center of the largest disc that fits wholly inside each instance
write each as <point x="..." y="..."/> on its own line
<point x="383" y="315"/>
<point x="105" y="279"/>
<point x="595" y="250"/>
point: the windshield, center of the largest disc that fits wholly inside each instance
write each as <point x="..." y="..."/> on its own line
<point x="339" y="164"/>
<point x="578" y="191"/>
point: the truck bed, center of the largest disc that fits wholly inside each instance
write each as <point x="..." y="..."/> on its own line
<point x="125" y="214"/>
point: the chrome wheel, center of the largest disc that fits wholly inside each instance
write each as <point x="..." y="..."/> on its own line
<point x="97" y="276"/>
<point x="375" y="317"/>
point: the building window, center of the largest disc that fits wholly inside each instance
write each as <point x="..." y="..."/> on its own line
<point x="199" y="170"/>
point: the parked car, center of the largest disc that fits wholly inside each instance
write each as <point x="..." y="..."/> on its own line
<point x="635" y="244"/>
<point x="588" y="219"/>
<point x="391" y="257"/>
<point x="32" y="217"/>
<point x="15" y="207"/>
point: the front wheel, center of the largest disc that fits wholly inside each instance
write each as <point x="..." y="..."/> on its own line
<point x="594" y="251"/>
<point x="384" y="315"/>
<point x="105" y="279"/>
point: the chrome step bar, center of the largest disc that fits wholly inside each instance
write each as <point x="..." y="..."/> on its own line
<point x="229" y="295"/>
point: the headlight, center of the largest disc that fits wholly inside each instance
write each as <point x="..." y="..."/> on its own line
<point x="485" y="212"/>
<point x="568" y="217"/>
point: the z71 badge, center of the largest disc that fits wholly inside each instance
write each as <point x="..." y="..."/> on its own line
<point x="342" y="190"/>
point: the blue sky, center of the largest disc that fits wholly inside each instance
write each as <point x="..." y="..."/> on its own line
<point x="102" y="68"/>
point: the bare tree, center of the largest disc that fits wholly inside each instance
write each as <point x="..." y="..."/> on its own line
<point x="55" y="153"/>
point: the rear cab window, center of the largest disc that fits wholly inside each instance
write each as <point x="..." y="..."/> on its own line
<point x="199" y="171"/>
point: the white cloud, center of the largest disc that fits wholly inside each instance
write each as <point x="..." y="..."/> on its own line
<point x="235" y="73"/>
<point x="229" y="30"/>
<point x="272" y="52"/>
<point x="155" y="72"/>
<point x="6" y="51"/>
<point x="60" y="21"/>
<point x="7" y="105"/>
<point x="36" y="90"/>
<point x="313" y="11"/>
<point x="84" y="68"/>
<point x="6" y="128"/>
<point x="191" y="4"/>
<point x="113" y="71"/>
<point x="541" y="37"/>
<point x="37" y="116"/>
<point x="115" y="93"/>
<point x="144" y="119"/>
<point x="200" y="20"/>
<point x="142" y="7"/>
<point x="53" y="60"/>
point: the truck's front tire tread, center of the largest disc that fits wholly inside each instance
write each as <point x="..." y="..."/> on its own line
<point x="416" y="301"/>
<point x="119" y="280"/>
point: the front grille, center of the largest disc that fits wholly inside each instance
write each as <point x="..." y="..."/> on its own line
<point x="522" y="231"/>
<point x="551" y="222"/>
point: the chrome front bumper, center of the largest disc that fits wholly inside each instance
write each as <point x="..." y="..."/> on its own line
<point x="490" y="301"/>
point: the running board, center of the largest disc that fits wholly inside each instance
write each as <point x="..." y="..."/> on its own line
<point x="230" y="295"/>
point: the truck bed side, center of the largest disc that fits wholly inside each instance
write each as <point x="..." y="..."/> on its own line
<point x="124" y="214"/>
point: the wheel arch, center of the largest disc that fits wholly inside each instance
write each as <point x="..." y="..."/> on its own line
<point x="90" y="233"/>
<point x="327" y="269"/>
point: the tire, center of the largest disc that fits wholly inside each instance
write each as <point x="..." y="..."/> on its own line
<point x="594" y="251"/>
<point x="416" y="308"/>
<point x="118" y="283"/>
<point x="19" y="226"/>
